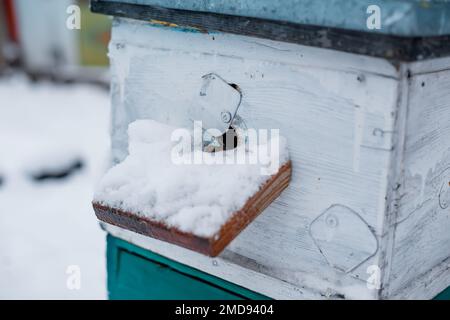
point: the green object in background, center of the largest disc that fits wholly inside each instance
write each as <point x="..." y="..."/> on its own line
<point x="94" y="37"/>
<point x="135" y="273"/>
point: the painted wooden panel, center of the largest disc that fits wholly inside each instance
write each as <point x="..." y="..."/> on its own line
<point x="337" y="111"/>
<point x="213" y="245"/>
<point x="421" y="253"/>
<point x="366" y="42"/>
<point x="134" y="273"/>
<point x="399" y="17"/>
<point x="444" y="295"/>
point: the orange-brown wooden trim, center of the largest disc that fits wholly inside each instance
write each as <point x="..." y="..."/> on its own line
<point x="214" y="245"/>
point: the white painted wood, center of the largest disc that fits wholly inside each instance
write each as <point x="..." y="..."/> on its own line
<point x="330" y="232"/>
<point x="429" y="66"/>
<point x="220" y="267"/>
<point x="427" y="285"/>
<point x="355" y="125"/>
<point x="392" y="189"/>
<point x="422" y="237"/>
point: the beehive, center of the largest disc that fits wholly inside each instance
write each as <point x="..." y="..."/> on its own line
<point x="367" y="117"/>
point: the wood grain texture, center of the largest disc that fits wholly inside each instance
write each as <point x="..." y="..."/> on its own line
<point x="420" y="265"/>
<point x="365" y="136"/>
<point x="377" y="44"/>
<point x="137" y="273"/>
<point x="337" y="111"/>
<point x="401" y="17"/>
<point x="211" y="246"/>
<point x="217" y="266"/>
<point x="393" y="193"/>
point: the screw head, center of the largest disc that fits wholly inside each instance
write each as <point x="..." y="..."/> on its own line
<point x="226" y="116"/>
<point x="332" y="221"/>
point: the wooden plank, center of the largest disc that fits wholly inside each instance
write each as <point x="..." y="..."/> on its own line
<point x="429" y="66"/>
<point x="421" y="251"/>
<point x="427" y="285"/>
<point x="444" y="295"/>
<point x="395" y="173"/>
<point x="398" y="17"/>
<point x="354" y="124"/>
<point x="217" y="266"/>
<point x="141" y="283"/>
<point x="375" y="44"/>
<point x="140" y="278"/>
<point x="337" y="111"/>
<point x="213" y="245"/>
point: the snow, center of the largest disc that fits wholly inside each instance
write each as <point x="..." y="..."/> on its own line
<point x="47" y="227"/>
<point x="50" y="159"/>
<point x="197" y="197"/>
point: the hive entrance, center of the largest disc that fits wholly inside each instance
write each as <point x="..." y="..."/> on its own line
<point x="198" y="205"/>
<point x="227" y="141"/>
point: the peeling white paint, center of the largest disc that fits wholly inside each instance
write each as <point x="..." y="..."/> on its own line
<point x="344" y="141"/>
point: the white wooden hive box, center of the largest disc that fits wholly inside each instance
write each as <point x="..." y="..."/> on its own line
<point x="366" y="214"/>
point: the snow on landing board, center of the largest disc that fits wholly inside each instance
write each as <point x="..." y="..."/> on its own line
<point x="198" y="206"/>
<point x="47" y="228"/>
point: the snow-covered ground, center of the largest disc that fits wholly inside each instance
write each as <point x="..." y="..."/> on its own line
<point x="48" y="226"/>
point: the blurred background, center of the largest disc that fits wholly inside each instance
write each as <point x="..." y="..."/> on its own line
<point x="54" y="118"/>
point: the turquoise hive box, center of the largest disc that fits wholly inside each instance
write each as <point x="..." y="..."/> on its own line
<point x="361" y="90"/>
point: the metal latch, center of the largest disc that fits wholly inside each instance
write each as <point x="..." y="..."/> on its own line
<point x="217" y="107"/>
